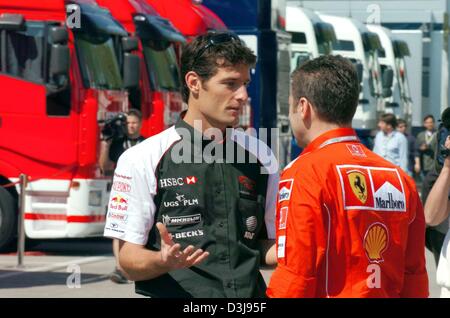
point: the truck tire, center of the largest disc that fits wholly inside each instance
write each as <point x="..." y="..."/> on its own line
<point x="8" y="219"/>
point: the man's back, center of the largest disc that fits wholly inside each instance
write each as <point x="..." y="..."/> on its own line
<point x="351" y="224"/>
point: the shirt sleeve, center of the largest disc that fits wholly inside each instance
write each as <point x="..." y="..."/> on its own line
<point x="415" y="283"/>
<point x="376" y="144"/>
<point x="297" y="247"/>
<point x="131" y="208"/>
<point x="403" y="152"/>
<point x="271" y="204"/>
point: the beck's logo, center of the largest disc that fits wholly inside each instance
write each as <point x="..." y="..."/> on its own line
<point x="358" y="184"/>
<point x="284" y="189"/>
<point x="376" y="241"/>
<point x="176" y="182"/>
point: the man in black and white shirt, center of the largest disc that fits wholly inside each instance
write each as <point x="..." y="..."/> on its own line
<point x="195" y="214"/>
<point x="110" y="152"/>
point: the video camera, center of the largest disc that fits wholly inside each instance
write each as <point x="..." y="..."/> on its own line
<point x="115" y="127"/>
<point x="442" y="133"/>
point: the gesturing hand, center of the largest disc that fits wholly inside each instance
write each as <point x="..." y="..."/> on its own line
<point x="171" y="254"/>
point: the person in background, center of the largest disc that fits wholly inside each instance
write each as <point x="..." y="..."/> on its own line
<point x="110" y="151"/>
<point x="391" y="144"/>
<point x="437" y="210"/>
<point x="424" y="145"/>
<point x="413" y="155"/>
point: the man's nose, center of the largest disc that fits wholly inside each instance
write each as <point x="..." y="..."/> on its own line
<point x="242" y="94"/>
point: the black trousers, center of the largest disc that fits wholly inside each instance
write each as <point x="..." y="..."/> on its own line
<point x="434" y="241"/>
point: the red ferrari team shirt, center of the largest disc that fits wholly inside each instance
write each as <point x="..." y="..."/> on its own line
<point x="349" y="224"/>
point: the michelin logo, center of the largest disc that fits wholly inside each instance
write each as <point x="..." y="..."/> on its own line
<point x="181" y="220"/>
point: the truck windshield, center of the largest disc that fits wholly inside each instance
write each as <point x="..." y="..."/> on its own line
<point x="98" y="61"/>
<point x="162" y="67"/>
<point x="298" y="58"/>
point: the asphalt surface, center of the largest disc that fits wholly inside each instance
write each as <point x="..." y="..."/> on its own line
<point x="80" y="269"/>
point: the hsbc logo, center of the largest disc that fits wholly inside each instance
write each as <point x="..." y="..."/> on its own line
<point x="177" y="182"/>
<point x="191" y="180"/>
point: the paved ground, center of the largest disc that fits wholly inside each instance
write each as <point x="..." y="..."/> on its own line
<point x="51" y="269"/>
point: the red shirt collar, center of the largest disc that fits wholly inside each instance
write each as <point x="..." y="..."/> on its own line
<point x="340" y="134"/>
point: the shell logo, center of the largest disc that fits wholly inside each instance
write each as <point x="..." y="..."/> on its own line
<point x="376" y="241"/>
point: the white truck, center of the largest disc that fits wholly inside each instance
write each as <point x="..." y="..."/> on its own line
<point x="357" y="43"/>
<point x="311" y="37"/>
<point x="396" y="95"/>
<point x="424" y="26"/>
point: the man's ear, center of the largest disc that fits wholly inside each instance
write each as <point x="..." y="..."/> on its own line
<point x="193" y="82"/>
<point x="304" y="107"/>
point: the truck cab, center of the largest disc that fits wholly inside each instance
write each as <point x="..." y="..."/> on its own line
<point x="60" y="80"/>
<point x="311" y="37"/>
<point x="192" y="18"/>
<point x="158" y="96"/>
<point x="357" y="43"/>
<point x="395" y="93"/>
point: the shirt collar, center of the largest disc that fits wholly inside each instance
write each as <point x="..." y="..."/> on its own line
<point x="195" y="134"/>
<point x="332" y="136"/>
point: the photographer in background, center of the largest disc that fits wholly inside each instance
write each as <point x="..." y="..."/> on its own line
<point x="117" y="139"/>
<point x="435" y="232"/>
<point x="437" y="207"/>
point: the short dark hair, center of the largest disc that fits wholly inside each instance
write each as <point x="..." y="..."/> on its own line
<point x="428" y="117"/>
<point x="205" y="62"/>
<point x="401" y="121"/>
<point x="135" y="112"/>
<point x="389" y="119"/>
<point x="331" y="85"/>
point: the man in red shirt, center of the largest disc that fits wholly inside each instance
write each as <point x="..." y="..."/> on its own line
<point x="349" y="223"/>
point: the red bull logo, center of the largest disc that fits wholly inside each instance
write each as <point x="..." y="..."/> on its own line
<point x="118" y="203"/>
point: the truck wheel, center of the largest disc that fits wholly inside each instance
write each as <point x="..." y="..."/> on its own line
<point x="8" y="219"/>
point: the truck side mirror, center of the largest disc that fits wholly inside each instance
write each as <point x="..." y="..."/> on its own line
<point x="58" y="35"/>
<point x="131" y="70"/>
<point x="388" y="78"/>
<point x="129" y="44"/>
<point x="59" y="60"/>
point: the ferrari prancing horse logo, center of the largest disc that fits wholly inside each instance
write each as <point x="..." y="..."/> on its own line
<point x="358" y="184"/>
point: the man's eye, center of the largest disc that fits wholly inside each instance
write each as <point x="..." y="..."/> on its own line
<point x="230" y="84"/>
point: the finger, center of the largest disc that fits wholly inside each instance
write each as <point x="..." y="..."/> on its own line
<point x="185" y="254"/>
<point x="174" y="250"/>
<point x="166" y="237"/>
<point x="201" y="258"/>
<point x="194" y="256"/>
